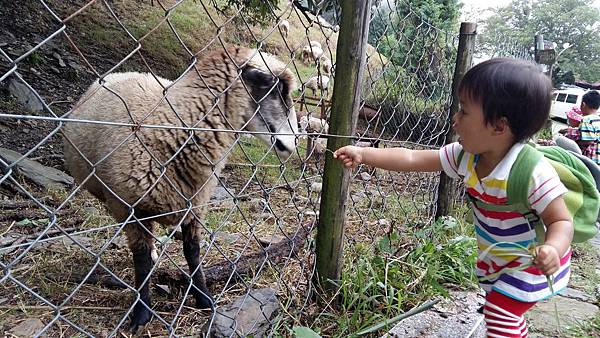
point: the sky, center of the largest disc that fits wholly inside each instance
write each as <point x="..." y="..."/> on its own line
<point x="478" y="10"/>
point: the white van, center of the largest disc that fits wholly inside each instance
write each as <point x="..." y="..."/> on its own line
<point x="564" y="100"/>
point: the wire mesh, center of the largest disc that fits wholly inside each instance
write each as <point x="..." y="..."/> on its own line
<point x="66" y="254"/>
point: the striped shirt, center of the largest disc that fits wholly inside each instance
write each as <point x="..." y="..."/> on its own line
<point x="590" y="131"/>
<point x="530" y="284"/>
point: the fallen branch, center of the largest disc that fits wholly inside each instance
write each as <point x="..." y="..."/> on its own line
<point x="246" y="264"/>
<point x="103" y="279"/>
<point x="25" y="203"/>
<point x="48" y="234"/>
<point x="18" y="215"/>
<point x="214" y="274"/>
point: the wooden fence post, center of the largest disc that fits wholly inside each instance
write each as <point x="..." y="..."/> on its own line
<point x="464" y="59"/>
<point x="350" y="60"/>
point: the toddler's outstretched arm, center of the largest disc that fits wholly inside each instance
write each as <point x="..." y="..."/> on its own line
<point x="397" y="159"/>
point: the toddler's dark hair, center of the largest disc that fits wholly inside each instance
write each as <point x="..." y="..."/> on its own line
<point x="591" y="99"/>
<point x="514" y="89"/>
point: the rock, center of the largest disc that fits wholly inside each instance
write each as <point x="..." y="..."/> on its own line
<point x="91" y="211"/>
<point x="258" y="205"/>
<point x="24" y="95"/>
<point x="9" y="238"/>
<point x="40" y="174"/>
<point x="59" y="59"/>
<point x="577" y="295"/>
<point x="226" y="238"/>
<point x="365" y="176"/>
<point x="571" y="312"/>
<point x="270" y="240"/>
<point x="220" y="193"/>
<point x="29" y="327"/>
<point x="249" y="315"/>
<point x="76" y="243"/>
<point x="455" y="316"/>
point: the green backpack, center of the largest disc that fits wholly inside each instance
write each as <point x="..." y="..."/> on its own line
<point x="582" y="198"/>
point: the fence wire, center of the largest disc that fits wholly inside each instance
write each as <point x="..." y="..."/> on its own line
<point x="175" y="153"/>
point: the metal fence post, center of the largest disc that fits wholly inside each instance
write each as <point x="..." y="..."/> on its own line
<point x="350" y="60"/>
<point x="464" y="58"/>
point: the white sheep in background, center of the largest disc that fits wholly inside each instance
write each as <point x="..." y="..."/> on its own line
<point x="317" y="82"/>
<point x="314" y="43"/>
<point x="311" y="124"/>
<point x="326" y="65"/>
<point x="310" y="53"/>
<point x="284" y="25"/>
<point x="162" y="173"/>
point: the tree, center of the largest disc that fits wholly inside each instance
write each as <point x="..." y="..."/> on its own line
<point x="562" y="21"/>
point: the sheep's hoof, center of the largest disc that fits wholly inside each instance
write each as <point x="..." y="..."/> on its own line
<point x="140" y="317"/>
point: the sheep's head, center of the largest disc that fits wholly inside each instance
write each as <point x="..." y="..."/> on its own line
<point x="270" y="85"/>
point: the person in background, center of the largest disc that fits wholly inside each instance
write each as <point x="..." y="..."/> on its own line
<point x="584" y="125"/>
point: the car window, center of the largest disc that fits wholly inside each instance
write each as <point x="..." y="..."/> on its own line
<point x="561" y="97"/>
<point x="554" y="96"/>
<point x="571" y="98"/>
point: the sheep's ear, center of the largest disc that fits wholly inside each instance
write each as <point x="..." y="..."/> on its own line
<point x="258" y="78"/>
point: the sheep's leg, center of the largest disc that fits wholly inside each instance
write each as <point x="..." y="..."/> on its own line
<point x="141" y="246"/>
<point x="191" y="251"/>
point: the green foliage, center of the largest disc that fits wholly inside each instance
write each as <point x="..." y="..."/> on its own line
<point x="380" y="283"/>
<point x="254" y="11"/>
<point x="545" y="133"/>
<point x="409" y="32"/>
<point x="413" y="38"/>
<point x="304" y="332"/>
<point x="566" y="21"/>
<point x="35" y="58"/>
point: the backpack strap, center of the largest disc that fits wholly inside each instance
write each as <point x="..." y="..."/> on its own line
<point x="517" y="189"/>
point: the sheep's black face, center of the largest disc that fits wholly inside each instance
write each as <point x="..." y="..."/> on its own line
<point x="273" y="110"/>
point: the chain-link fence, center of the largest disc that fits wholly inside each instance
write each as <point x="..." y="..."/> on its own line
<point x="184" y="141"/>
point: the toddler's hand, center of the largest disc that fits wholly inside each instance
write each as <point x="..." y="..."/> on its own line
<point x="350" y="156"/>
<point x="547" y="259"/>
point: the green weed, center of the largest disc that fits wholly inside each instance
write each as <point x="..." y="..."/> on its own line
<point x="381" y="282"/>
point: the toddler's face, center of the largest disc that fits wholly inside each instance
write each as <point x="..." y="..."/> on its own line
<point x="473" y="133"/>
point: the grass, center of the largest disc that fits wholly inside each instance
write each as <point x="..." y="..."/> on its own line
<point x="403" y="270"/>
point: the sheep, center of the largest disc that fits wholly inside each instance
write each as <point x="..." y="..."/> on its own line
<point x="310" y="52"/>
<point x="161" y="173"/>
<point x="314" y="43"/>
<point x="317" y="82"/>
<point x="313" y="124"/>
<point x="326" y="65"/>
<point x="284" y="26"/>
